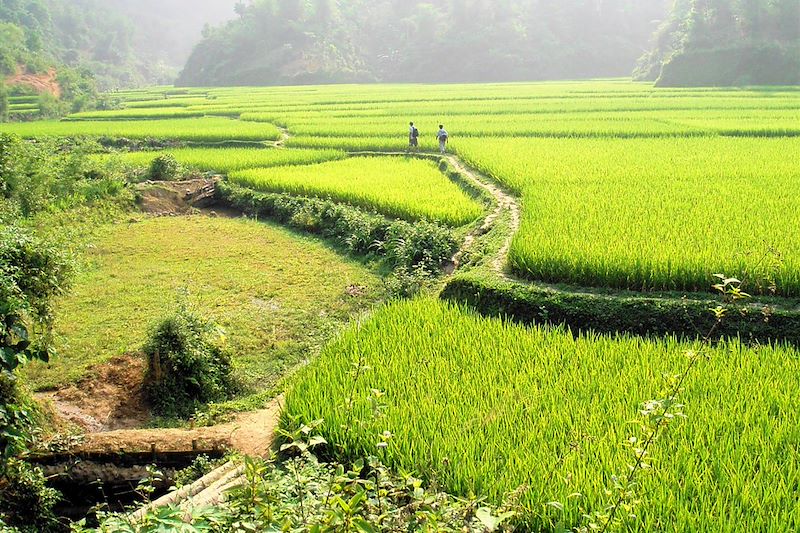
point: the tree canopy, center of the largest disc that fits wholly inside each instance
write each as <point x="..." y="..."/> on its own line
<point x="726" y="42"/>
<point x="296" y="41"/>
<point x="123" y="43"/>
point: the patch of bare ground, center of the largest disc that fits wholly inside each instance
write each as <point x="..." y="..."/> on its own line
<point x="111" y="397"/>
<point x="170" y="198"/>
<point x="109" y="405"/>
<point x="41" y="83"/>
<point x="504" y="202"/>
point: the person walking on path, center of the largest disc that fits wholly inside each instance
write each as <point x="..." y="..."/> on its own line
<point x="442" y="137"/>
<point x="413" y="138"/>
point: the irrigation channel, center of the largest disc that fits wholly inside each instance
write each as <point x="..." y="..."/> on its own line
<point x="107" y="466"/>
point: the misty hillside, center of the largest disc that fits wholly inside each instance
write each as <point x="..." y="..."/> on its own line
<point x="292" y="41"/>
<point x="122" y="43"/>
<point x="726" y="42"/>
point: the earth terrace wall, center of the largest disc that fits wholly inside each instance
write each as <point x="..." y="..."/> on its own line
<point x="634" y="314"/>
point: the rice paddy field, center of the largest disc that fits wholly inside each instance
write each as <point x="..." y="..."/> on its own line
<point x="483" y="406"/>
<point x="396" y="187"/>
<point x="228" y="159"/>
<point x="622" y="186"/>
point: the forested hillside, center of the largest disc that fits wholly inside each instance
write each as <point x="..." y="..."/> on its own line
<point x="293" y="41"/>
<point x="726" y="42"/>
<point x="122" y="43"/>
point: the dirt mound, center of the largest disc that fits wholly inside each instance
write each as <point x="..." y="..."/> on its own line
<point x="111" y="397"/>
<point x="41" y="83"/>
<point x="165" y="198"/>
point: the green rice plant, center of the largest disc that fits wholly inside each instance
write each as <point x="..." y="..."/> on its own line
<point x="650" y="214"/>
<point x="208" y="129"/>
<point x="405" y="188"/>
<point x="482" y="406"/>
<point x="137" y="114"/>
<point x="230" y="159"/>
<point x="396" y="143"/>
<point x="171" y="102"/>
<point x="493" y="126"/>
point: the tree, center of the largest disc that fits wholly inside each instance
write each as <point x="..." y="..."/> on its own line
<point x="3" y="102"/>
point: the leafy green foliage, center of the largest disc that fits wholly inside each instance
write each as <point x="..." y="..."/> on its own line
<point x="4" y="105"/>
<point x="312" y="42"/>
<point x="26" y="503"/>
<point x="52" y="174"/>
<point x="187" y="367"/>
<point x="31" y="274"/>
<point x="726" y="42"/>
<point x="165" y="168"/>
<point x="201" y="466"/>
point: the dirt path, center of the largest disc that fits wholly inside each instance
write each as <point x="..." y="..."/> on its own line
<point x="285" y="135"/>
<point x="503" y="203"/>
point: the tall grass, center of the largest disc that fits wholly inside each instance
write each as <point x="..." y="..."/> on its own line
<point x="486" y="407"/>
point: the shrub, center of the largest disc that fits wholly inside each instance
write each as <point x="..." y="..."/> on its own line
<point x="3" y="102"/>
<point x="31" y="273"/>
<point x="186" y="366"/>
<point x="26" y="503"/>
<point x="47" y="174"/>
<point x="165" y="168"/>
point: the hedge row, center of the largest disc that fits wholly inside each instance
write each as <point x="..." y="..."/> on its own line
<point x="638" y="315"/>
<point x="403" y="244"/>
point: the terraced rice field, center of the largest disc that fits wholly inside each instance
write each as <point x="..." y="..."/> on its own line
<point x="651" y="214"/>
<point x="622" y="186"/>
<point x="487" y="407"/>
<point x="396" y="187"/>
<point x="229" y="159"/>
<point x="209" y="129"/>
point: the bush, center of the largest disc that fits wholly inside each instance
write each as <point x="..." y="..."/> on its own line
<point x="31" y="273"/>
<point x="165" y="168"/>
<point x="26" y="503"/>
<point x="35" y="177"/>
<point x="186" y="367"/>
<point x="3" y="102"/>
